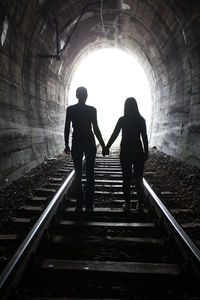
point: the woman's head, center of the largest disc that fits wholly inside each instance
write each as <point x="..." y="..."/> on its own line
<point x="131" y="107"/>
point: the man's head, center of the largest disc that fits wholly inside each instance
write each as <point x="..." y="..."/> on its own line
<point x="81" y="94"/>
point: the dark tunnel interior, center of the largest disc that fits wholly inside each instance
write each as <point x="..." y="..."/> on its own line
<point x="42" y="43"/>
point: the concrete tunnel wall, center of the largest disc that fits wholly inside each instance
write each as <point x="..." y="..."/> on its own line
<point x="164" y="35"/>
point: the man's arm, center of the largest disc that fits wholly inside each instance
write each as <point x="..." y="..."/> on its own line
<point x="97" y="131"/>
<point x="67" y="129"/>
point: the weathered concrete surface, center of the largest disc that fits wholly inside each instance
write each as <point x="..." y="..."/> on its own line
<point x="32" y="99"/>
<point x="163" y="34"/>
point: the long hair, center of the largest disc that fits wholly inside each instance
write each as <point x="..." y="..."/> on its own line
<point x="131" y="108"/>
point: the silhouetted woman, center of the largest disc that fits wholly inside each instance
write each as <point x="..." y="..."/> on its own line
<point x="134" y="150"/>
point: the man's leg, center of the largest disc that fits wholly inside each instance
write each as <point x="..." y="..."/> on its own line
<point x="77" y="156"/>
<point x="90" y="154"/>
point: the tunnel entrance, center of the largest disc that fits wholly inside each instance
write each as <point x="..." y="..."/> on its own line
<point x="111" y="75"/>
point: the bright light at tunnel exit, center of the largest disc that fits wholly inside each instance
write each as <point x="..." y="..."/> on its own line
<point x="111" y="76"/>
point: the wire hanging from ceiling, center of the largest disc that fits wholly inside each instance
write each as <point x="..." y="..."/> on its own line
<point x="75" y="23"/>
<point x="101" y="16"/>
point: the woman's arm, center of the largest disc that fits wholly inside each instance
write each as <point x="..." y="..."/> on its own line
<point x="114" y="135"/>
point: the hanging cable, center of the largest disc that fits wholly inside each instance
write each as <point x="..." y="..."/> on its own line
<point x="74" y="23"/>
<point x="101" y="16"/>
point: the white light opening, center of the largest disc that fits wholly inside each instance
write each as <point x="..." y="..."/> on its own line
<point x="111" y="76"/>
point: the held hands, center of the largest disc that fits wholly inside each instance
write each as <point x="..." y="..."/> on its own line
<point x="105" y="151"/>
<point x="67" y="150"/>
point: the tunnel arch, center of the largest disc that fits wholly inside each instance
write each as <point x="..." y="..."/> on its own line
<point x="111" y="75"/>
<point x="164" y="35"/>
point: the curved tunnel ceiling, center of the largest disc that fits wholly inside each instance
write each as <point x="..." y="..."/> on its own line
<point x="163" y="34"/>
<point x="136" y="26"/>
<point x="146" y="28"/>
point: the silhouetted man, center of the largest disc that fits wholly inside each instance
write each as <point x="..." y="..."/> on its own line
<point x="83" y="118"/>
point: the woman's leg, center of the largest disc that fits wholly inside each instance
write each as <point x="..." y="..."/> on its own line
<point x="126" y="166"/>
<point x="138" y="175"/>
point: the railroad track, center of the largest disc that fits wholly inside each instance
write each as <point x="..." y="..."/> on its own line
<point x="104" y="254"/>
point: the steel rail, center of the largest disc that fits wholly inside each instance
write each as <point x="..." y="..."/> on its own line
<point x="5" y="274"/>
<point x="29" y="238"/>
<point x="8" y="270"/>
<point x="182" y="235"/>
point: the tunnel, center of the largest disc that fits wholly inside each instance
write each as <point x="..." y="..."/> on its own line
<point x="42" y="44"/>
